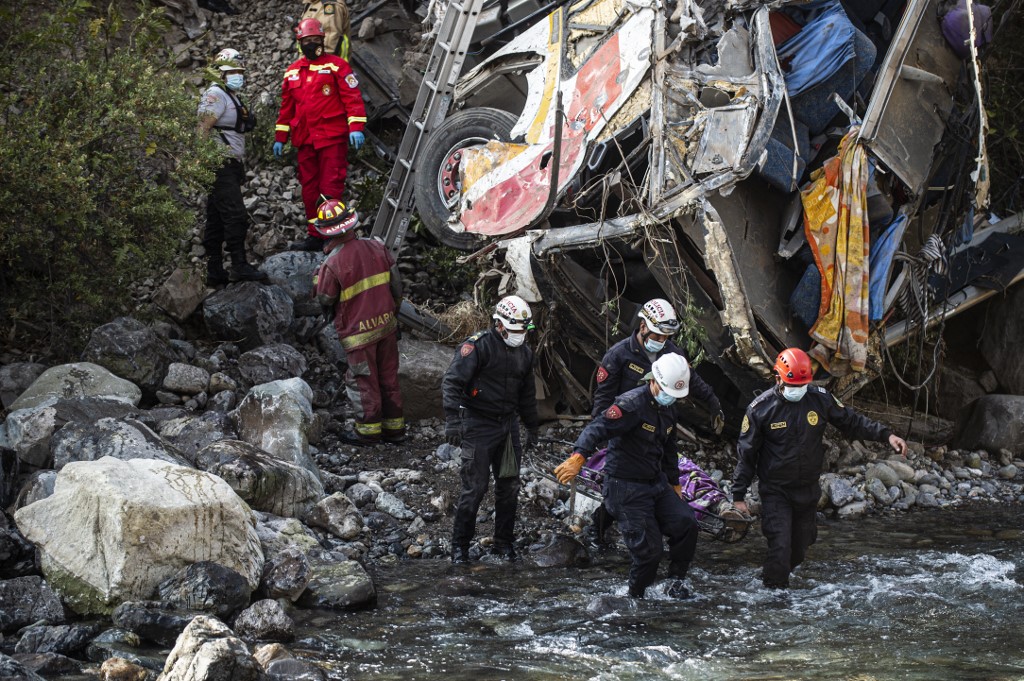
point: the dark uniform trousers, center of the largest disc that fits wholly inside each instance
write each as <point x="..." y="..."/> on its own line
<point x="226" y="219"/>
<point x="483" y="445"/>
<point x="646" y="511"/>
<point x="788" y="522"/>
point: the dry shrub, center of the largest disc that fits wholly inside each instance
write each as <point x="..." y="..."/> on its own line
<point x="464" y="319"/>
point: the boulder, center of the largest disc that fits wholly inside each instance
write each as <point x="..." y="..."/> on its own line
<point x="883" y="472"/>
<point x="420" y="370"/>
<point x="265" y="482"/>
<point x="1004" y="327"/>
<point x="954" y="389"/>
<point x="63" y="639"/>
<point x="271" y="652"/>
<point x="113" y="530"/>
<point x="121" y="439"/>
<point x="82" y="379"/>
<point x="249" y="314"/>
<point x="152" y="621"/>
<point x="223" y="401"/>
<point x="181" y="293"/>
<point x="271" y="363"/>
<point x="37" y="486"/>
<point x="361" y="494"/>
<point x="387" y="502"/>
<point x="561" y="551"/>
<point x="208" y="651"/>
<point x="15" y="379"/>
<point x="12" y="669"/>
<point x="186" y="379"/>
<point x="276" y="417"/>
<point x="131" y="350"/>
<point x="838" y="489"/>
<point x="119" y="669"/>
<point x="293" y="271"/>
<point x="265" y="620"/>
<point x="28" y="433"/>
<point x="339" y="586"/>
<point x="191" y="434"/>
<point x="24" y="600"/>
<point x="17" y="555"/>
<point x="208" y="587"/>
<point x="992" y="422"/>
<point x="276" y="534"/>
<point x="853" y="510"/>
<point x="294" y="670"/>
<point x="329" y="345"/>
<point x="902" y="469"/>
<point x="879" y="491"/>
<point x="338" y="515"/>
<point x="49" y="664"/>
<point x="286" y="574"/>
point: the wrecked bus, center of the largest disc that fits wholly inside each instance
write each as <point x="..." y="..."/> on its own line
<point x="787" y="174"/>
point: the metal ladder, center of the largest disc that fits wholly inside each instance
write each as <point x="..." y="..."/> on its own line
<point x="431" y="108"/>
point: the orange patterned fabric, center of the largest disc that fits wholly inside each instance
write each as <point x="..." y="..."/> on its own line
<point x="835" y="221"/>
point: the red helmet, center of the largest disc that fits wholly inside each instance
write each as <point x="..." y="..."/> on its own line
<point x="308" y="27"/>
<point x="794" y="367"/>
<point x="334" y="219"/>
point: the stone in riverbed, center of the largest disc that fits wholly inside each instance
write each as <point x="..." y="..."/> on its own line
<point x="339" y="586"/>
<point x="883" y="472"/>
<point x="208" y="587"/>
<point x="853" y="510"/>
<point x="24" y="600"/>
<point x="209" y="651"/>
<point x="265" y="621"/>
<point x="286" y="574"/>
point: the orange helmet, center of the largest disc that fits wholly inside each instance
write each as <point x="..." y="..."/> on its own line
<point x="308" y="27"/>
<point x="334" y="219"/>
<point x="794" y="367"/>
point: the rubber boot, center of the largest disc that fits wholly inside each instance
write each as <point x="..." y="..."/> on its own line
<point x="241" y="270"/>
<point x="460" y="555"/>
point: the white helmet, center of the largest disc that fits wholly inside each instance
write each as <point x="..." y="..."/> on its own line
<point x="229" y="59"/>
<point x="513" y="313"/>
<point x="659" y="316"/>
<point x="672" y="372"/>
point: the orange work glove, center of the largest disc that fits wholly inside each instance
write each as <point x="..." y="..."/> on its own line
<point x="679" y="490"/>
<point x="570" y="468"/>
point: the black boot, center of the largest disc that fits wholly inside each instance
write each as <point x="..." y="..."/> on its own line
<point x="241" y="270"/>
<point x="460" y="555"/>
<point x="636" y="592"/>
<point x="504" y="552"/>
<point x="216" y="275"/>
<point x="677" y="590"/>
<point x="678" y="569"/>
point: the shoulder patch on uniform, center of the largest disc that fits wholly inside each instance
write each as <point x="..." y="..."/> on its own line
<point x="838" y="403"/>
<point x="467" y="349"/>
<point x="613" y="412"/>
<point x="745" y="426"/>
<point x="812" y="417"/>
<point x="602" y="374"/>
<point x="351" y="80"/>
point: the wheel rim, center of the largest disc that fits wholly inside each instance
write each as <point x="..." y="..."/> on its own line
<point x="449" y="186"/>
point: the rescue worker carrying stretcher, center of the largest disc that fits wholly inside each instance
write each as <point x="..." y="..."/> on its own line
<point x="780" y="442"/>
<point x="487" y="389"/>
<point x="641" y="485"/>
<point x="359" y="287"/>
<point x="623" y="368"/>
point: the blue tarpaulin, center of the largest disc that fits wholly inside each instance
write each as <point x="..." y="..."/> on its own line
<point x="815" y="53"/>
<point x="882" y="252"/>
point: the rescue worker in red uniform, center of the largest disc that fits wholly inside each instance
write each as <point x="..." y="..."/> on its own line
<point x="780" y="442"/>
<point x="322" y="112"/>
<point x="359" y="286"/>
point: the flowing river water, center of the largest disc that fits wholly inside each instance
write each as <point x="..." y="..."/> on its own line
<point x="927" y="595"/>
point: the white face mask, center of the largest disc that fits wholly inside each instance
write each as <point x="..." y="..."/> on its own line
<point x="664" y="399"/>
<point x="235" y="81"/>
<point x="794" y="393"/>
<point x="514" y="340"/>
<point x="653" y="345"/>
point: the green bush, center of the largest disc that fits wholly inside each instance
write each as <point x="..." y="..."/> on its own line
<point x="100" y="152"/>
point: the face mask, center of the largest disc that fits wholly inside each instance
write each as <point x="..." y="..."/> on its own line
<point x="663" y="398"/>
<point x="514" y="340"/>
<point x="653" y="345"/>
<point x="794" y="393"/>
<point x="235" y="81"/>
<point x="311" y="50"/>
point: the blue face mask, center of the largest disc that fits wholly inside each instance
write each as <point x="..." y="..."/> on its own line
<point x="794" y="393"/>
<point x="664" y="399"/>
<point x="653" y="345"/>
<point x="235" y="81"/>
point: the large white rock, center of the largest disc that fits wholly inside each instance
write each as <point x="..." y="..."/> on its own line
<point x="209" y="651"/>
<point x="276" y="417"/>
<point x="113" y="530"/>
<point x="82" y="379"/>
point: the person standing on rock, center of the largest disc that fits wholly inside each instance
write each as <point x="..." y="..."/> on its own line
<point x="486" y="390"/>
<point x="626" y="363"/>
<point x="227" y="221"/>
<point x="322" y="112"/>
<point x="780" y="442"/>
<point x="641" y="484"/>
<point x="359" y="287"/>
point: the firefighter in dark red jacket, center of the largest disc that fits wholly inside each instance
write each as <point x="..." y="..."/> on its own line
<point x="780" y="442"/>
<point x="360" y="287"/>
<point x="322" y="112"/>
